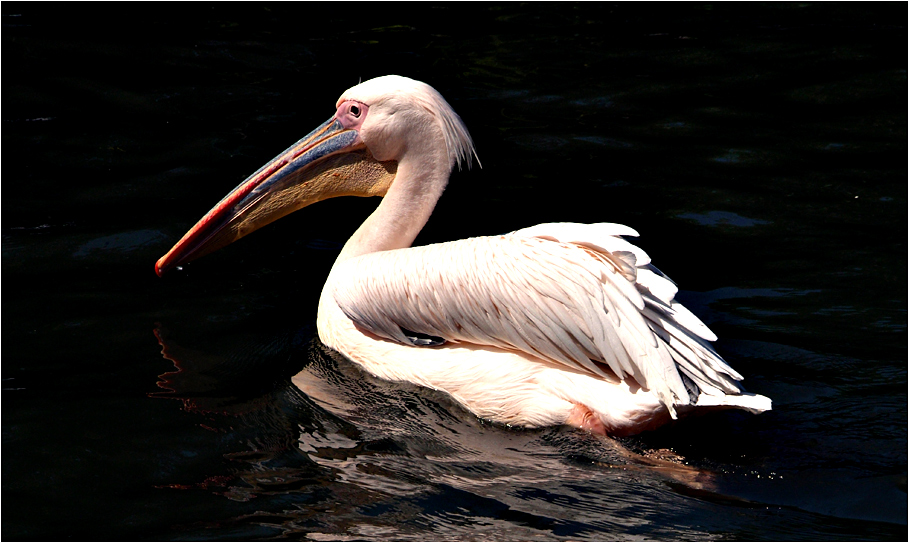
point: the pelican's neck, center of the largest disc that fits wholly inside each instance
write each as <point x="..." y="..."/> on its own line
<point x="393" y="225"/>
<point x="404" y="209"/>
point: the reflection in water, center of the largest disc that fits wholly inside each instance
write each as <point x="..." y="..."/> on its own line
<point x="331" y="452"/>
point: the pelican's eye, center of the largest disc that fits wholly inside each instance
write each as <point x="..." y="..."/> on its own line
<point x="351" y="114"/>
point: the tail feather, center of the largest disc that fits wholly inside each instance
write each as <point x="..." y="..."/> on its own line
<point x="747" y="401"/>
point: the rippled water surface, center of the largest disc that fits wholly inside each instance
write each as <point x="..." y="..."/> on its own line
<point x="759" y="150"/>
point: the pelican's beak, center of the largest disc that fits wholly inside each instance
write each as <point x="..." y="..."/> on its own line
<point x="330" y="161"/>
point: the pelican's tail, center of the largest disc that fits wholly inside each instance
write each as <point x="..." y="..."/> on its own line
<point x="747" y="401"/>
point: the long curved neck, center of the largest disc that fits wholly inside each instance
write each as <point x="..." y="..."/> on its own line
<point x="404" y="210"/>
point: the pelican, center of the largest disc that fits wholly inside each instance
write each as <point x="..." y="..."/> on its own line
<point x="555" y="324"/>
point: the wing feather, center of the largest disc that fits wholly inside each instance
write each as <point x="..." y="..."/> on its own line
<point x="573" y="294"/>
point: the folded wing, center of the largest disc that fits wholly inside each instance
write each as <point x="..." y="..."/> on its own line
<point x="579" y="295"/>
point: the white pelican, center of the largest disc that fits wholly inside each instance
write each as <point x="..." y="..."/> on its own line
<point x="553" y="324"/>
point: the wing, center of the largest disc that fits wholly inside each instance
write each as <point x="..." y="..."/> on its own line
<point x="574" y="294"/>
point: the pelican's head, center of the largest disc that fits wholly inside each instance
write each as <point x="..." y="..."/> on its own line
<point x="356" y="152"/>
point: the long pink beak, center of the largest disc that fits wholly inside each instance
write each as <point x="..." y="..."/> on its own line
<point x="228" y="221"/>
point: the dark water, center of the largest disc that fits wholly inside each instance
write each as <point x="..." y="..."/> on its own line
<point x="759" y="149"/>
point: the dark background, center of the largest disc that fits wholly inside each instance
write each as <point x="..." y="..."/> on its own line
<point x="760" y="150"/>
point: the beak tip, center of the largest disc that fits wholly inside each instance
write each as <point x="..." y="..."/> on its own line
<point x="159" y="267"/>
